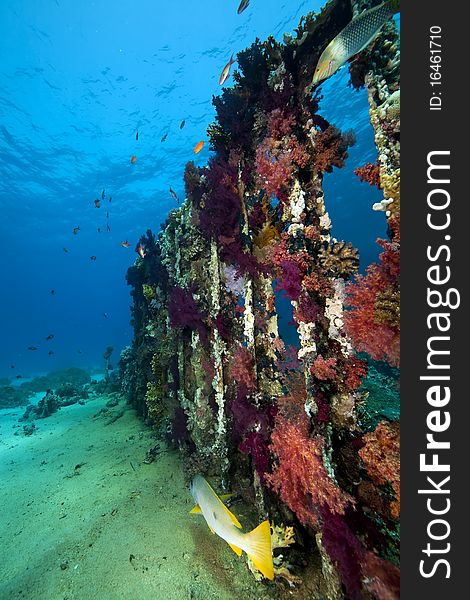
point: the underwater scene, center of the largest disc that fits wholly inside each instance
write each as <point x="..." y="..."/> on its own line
<point x="200" y="308"/>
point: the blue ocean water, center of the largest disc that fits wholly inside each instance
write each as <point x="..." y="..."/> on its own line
<point x="77" y="81"/>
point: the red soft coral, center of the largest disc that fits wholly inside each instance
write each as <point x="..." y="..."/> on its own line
<point x="324" y="368"/>
<point x="373" y="319"/>
<point x="377" y="339"/>
<point x="381" y="456"/>
<point x="241" y="368"/>
<point x="300" y="477"/>
<point x="369" y="173"/>
<point x="354" y="371"/>
<point x="331" y="147"/>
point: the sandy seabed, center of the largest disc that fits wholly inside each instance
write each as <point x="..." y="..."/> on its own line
<point x="82" y="517"/>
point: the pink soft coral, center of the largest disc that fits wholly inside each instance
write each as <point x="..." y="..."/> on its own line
<point x="279" y="155"/>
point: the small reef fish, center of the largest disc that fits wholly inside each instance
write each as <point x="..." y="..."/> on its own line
<point x="103" y="195"/>
<point x="19" y="376"/>
<point x="52" y="292"/>
<point x="76" y="230"/>
<point x="97" y="203"/>
<point x="107" y="214"/>
<point x="243" y="4"/>
<point x="199" y="146"/>
<point x="173" y="195"/>
<point x="93" y="257"/>
<point x="110" y="199"/>
<point x="108" y="228"/>
<point x="105" y="315"/>
<point x="50" y="337"/>
<point x="125" y="244"/>
<point x="136" y="136"/>
<point x="65" y="250"/>
<point x="133" y="159"/>
<point x="99" y="229"/>
<point x="32" y="348"/>
<point x="256" y="543"/>
<point x="50" y="352"/>
<point x="164" y="137"/>
<point x="12" y="366"/>
<point x="226" y="71"/>
<point x="356" y="36"/>
<point x="141" y="251"/>
<point x="182" y="124"/>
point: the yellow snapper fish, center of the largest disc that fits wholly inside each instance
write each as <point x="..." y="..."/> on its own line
<point x="256" y="543"/>
<point x="356" y="36"/>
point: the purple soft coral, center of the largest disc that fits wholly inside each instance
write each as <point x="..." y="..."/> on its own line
<point x="184" y="312"/>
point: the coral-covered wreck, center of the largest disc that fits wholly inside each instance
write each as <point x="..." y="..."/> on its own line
<point x="279" y="425"/>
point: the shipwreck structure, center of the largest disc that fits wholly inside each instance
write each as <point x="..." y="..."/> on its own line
<point x="207" y="364"/>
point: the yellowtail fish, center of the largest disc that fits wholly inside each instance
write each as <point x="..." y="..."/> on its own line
<point x="243" y="4"/>
<point x="256" y="543"/>
<point x="356" y="36"/>
<point x="226" y="71"/>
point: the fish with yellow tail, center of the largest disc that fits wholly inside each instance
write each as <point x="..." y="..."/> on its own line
<point x="256" y="543"/>
<point x="356" y="36"/>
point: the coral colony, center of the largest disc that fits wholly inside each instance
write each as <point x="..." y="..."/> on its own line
<point x="280" y="424"/>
